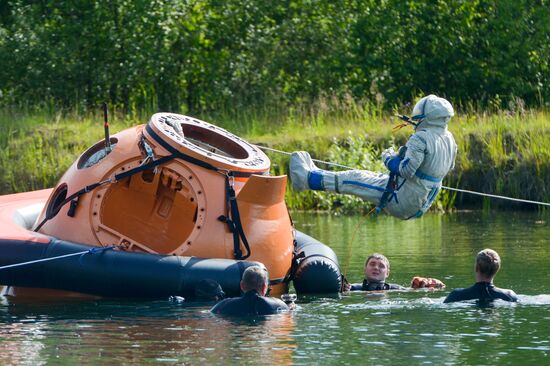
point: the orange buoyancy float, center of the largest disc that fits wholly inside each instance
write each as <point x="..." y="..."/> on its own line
<point x="177" y="186"/>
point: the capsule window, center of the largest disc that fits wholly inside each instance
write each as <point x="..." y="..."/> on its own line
<point x="56" y="202"/>
<point x="95" y="154"/>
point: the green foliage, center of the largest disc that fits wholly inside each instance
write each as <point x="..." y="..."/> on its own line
<point x="505" y="153"/>
<point x="351" y="151"/>
<point x="200" y="56"/>
<point x="36" y="150"/>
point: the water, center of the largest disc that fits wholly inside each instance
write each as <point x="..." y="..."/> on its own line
<point x="412" y="327"/>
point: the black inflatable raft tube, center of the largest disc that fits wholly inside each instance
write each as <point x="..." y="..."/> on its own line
<point x="114" y="273"/>
<point x="318" y="271"/>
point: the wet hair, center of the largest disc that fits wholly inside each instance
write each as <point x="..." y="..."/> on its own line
<point x="380" y="257"/>
<point x="208" y="290"/>
<point x="488" y="262"/>
<point x="254" y="278"/>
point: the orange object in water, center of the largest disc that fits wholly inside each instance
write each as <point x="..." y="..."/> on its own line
<point x="180" y="206"/>
<point x="424" y="282"/>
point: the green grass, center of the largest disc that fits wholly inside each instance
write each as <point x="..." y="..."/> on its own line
<point x="35" y="150"/>
<point x="504" y="153"/>
<point x="501" y="153"/>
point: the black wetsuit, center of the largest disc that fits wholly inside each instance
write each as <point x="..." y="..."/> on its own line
<point x="250" y="304"/>
<point x="483" y="292"/>
<point x="374" y="286"/>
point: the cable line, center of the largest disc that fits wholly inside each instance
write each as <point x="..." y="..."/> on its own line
<point x="88" y="251"/>
<point x="445" y="187"/>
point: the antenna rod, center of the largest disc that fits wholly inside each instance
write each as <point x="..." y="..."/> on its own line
<point x="106" y="128"/>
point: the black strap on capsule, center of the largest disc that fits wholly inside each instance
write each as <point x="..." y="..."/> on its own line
<point x="233" y="219"/>
<point x="74" y="198"/>
<point x="294" y="264"/>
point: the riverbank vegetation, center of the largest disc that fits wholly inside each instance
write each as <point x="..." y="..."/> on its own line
<point x="505" y="153"/>
<point x="198" y="56"/>
<point x="316" y="75"/>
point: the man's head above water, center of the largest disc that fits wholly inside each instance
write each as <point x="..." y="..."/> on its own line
<point x="487" y="265"/>
<point x="255" y="278"/>
<point x="377" y="268"/>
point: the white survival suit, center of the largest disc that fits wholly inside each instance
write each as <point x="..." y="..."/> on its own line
<point x="430" y="154"/>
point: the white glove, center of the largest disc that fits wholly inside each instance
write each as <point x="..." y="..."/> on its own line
<point x="388" y="154"/>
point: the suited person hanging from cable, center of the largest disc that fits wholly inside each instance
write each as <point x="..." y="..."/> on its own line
<point x="416" y="171"/>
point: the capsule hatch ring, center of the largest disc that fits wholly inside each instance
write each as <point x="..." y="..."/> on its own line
<point x="207" y="142"/>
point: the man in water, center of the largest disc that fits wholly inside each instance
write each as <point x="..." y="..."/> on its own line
<point x="377" y="270"/>
<point x="208" y="290"/>
<point x="253" y="301"/>
<point x="486" y="267"/>
<point x="416" y="171"/>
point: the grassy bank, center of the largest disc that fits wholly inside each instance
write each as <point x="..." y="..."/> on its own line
<point x="500" y="153"/>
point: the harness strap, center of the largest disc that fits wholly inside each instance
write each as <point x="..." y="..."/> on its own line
<point x="237" y="252"/>
<point x="296" y="259"/>
<point x="231" y="225"/>
<point x="235" y="225"/>
<point x="69" y="199"/>
<point x="74" y="197"/>
<point x="232" y="218"/>
<point x="389" y="193"/>
<point x="391" y="186"/>
<point x="276" y="281"/>
<point x="177" y="153"/>
<point x="144" y="167"/>
<point x="427" y="177"/>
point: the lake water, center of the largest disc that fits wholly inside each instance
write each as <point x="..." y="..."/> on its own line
<point x="411" y="327"/>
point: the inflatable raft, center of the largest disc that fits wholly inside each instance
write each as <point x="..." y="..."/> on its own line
<point x="154" y="209"/>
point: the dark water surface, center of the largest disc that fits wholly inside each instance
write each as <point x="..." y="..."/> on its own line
<point x="411" y="327"/>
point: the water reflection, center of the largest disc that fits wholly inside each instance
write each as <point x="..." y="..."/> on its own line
<point x="140" y="333"/>
<point x="262" y="340"/>
<point x="401" y="327"/>
<point x="440" y="246"/>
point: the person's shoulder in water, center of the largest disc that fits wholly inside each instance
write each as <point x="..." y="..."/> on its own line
<point x="253" y="301"/>
<point x="486" y="267"/>
<point x="250" y="304"/>
<point x="483" y="291"/>
<point x="374" y="286"/>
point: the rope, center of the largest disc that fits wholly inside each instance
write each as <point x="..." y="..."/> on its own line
<point x="496" y="196"/>
<point x="315" y="160"/>
<point x="350" y="246"/>
<point x="444" y="187"/>
<point x="89" y="251"/>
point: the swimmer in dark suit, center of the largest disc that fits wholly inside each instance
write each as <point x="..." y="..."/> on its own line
<point x="377" y="270"/>
<point x="486" y="268"/>
<point x="253" y="302"/>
